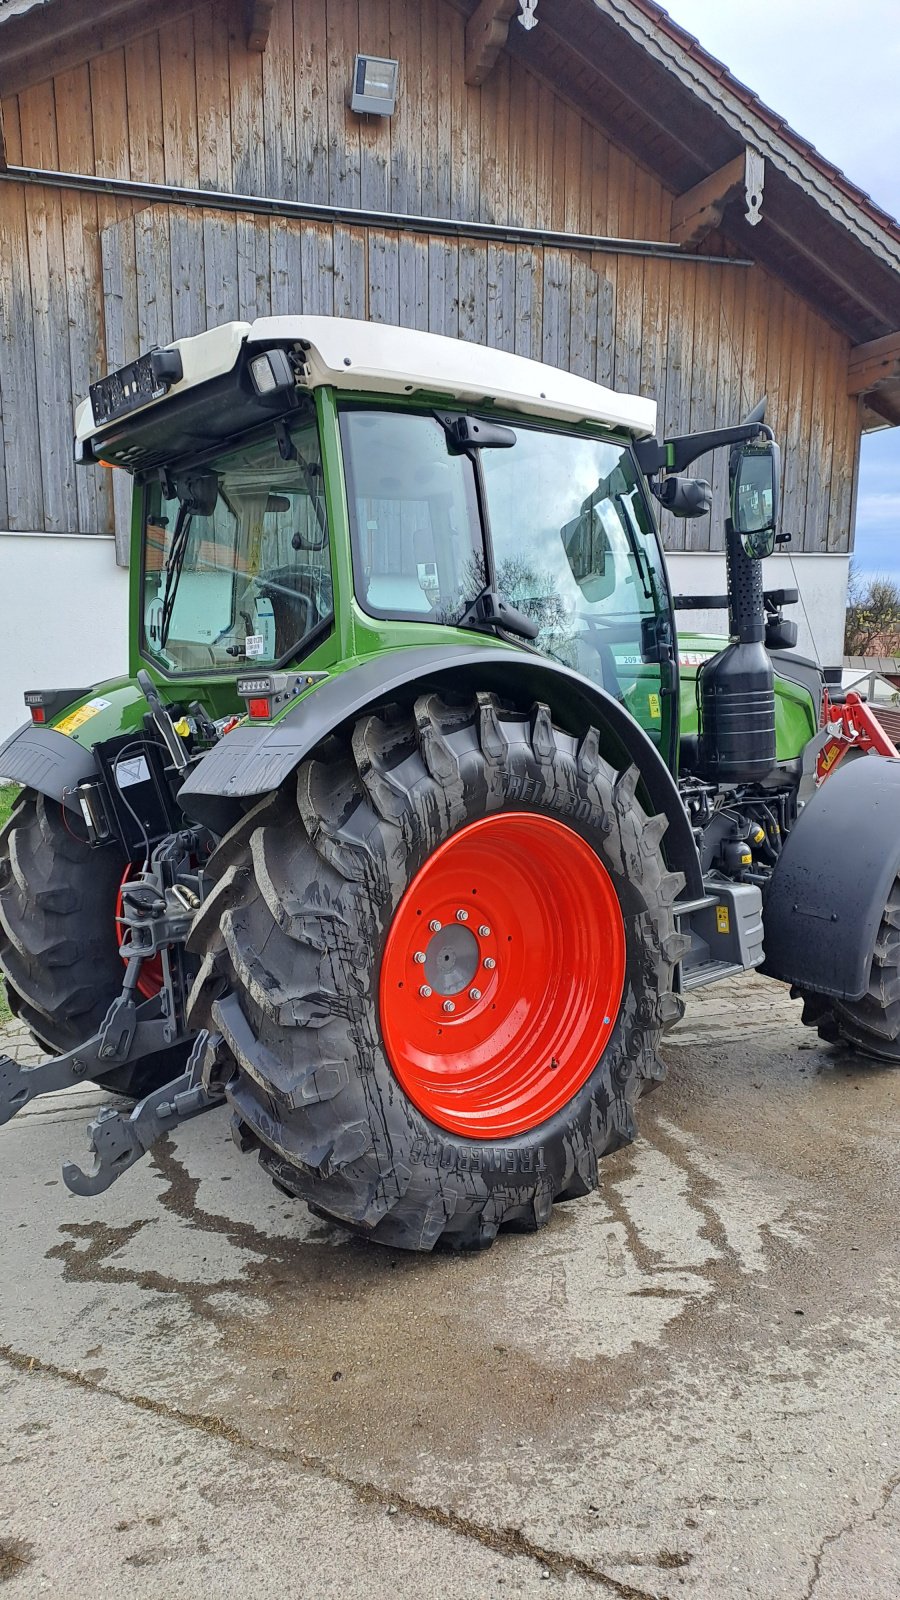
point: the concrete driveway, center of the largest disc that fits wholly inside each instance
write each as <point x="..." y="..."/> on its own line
<point x="685" y="1386"/>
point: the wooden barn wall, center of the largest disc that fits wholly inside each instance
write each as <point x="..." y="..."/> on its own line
<point x="88" y="281"/>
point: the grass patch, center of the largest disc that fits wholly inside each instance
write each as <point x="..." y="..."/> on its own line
<point x="8" y="794"/>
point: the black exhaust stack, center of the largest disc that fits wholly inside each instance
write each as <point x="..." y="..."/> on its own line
<point x="736" y="689"/>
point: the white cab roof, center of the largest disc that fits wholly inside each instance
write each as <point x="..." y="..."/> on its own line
<point x="378" y="357"/>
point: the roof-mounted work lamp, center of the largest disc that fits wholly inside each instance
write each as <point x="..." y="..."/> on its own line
<point x="374" y="85"/>
<point x="271" y="372"/>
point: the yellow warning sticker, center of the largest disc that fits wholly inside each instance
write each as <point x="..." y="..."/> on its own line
<point x="77" y="719"/>
<point x="723" y="920"/>
<point x="653" y="702"/>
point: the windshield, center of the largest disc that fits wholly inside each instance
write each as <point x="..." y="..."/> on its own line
<point x="417" y="547"/>
<point x="574" y="544"/>
<point x="574" y="548"/>
<point x="249" y="576"/>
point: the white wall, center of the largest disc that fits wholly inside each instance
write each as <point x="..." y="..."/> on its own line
<point x="64" y="609"/>
<point x="821" y="580"/>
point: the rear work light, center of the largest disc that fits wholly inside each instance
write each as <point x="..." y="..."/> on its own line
<point x="266" y="693"/>
<point x="45" y="704"/>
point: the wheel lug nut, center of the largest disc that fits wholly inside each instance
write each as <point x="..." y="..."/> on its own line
<point x="484" y="931"/>
<point x="449" y="1006"/>
<point x="474" y="994"/>
<point x="462" y="916"/>
<point x="434" y="925"/>
<point x="489" y="962"/>
<point x="419" y="957"/>
<point x="425" y="992"/>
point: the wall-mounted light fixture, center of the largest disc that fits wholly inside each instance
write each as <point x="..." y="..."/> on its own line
<point x="374" y="85"/>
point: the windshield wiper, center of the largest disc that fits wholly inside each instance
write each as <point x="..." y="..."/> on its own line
<point x="633" y="530"/>
<point x="173" y="569"/>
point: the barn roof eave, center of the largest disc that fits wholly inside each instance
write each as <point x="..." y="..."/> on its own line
<point x="684" y="116"/>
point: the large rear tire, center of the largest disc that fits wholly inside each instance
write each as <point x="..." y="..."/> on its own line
<point x="871" y="1025"/>
<point x="59" y="952"/>
<point x="444" y="1086"/>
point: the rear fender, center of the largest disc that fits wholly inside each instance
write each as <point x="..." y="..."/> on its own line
<point x="255" y="759"/>
<point x="42" y="759"/>
<point x="55" y="757"/>
<point x="825" y="899"/>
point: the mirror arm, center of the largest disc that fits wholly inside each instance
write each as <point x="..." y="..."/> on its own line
<point x="675" y="455"/>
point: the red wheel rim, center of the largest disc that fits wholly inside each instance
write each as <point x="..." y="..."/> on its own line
<point x="151" y="979"/>
<point x="502" y="975"/>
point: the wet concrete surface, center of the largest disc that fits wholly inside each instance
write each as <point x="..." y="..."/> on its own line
<point x="685" y="1385"/>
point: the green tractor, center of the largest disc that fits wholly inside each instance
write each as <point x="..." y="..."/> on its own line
<point x="406" y="835"/>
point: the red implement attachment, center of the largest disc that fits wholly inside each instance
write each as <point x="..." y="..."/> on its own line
<point x="151" y="977"/>
<point x="851" y="725"/>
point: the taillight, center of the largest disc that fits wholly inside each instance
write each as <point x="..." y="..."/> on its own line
<point x="259" y="708"/>
<point x="38" y="714"/>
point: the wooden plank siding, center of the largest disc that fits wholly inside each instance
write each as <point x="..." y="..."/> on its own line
<point x="88" y="280"/>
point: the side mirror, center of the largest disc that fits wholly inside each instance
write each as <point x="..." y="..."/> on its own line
<point x="589" y="554"/>
<point x="755" y="481"/>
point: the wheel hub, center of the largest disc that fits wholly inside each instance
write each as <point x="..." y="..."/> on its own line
<point x="451" y="960"/>
<point x="502" y="974"/>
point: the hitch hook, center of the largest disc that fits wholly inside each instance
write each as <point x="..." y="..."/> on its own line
<point x="117" y="1140"/>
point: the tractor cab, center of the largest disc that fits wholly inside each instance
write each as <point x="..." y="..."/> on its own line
<point x="296" y="503"/>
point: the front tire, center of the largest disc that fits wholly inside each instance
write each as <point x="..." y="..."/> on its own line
<point x="312" y="973"/>
<point x="870" y="1025"/>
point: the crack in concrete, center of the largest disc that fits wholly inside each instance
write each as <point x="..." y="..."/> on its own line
<point x="893" y="1483"/>
<point x="505" y="1541"/>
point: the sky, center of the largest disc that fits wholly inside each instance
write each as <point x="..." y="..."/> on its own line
<point x="832" y="70"/>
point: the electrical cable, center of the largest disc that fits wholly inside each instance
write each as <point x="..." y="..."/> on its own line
<point x="65" y="821"/>
<point x="803" y="606"/>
